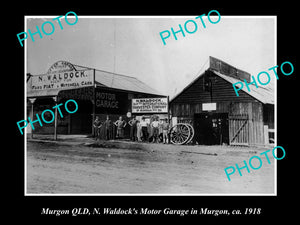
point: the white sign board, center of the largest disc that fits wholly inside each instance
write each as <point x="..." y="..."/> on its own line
<point x="209" y="106"/>
<point x="63" y="80"/>
<point x="150" y="105"/>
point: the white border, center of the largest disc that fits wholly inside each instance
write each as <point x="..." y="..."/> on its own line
<point x="149" y="194"/>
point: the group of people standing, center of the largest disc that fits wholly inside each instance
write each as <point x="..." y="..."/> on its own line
<point x="106" y="127"/>
<point x="140" y="130"/>
<point x="155" y="131"/>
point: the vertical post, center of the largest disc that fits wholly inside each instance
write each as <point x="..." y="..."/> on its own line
<point x="94" y="101"/>
<point x="266" y="134"/>
<point x="55" y="119"/>
<point x="168" y="110"/>
<point x="69" y="124"/>
<point x="31" y="134"/>
<point x="32" y="100"/>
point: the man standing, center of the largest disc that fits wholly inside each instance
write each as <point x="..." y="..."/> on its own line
<point x="165" y="128"/>
<point x="133" y="128"/>
<point x="97" y="124"/>
<point x="120" y="124"/>
<point x="139" y="131"/>
<point x="154" y="126"/>
<point x="108" y="128"/>
<point x="144" y="126"/>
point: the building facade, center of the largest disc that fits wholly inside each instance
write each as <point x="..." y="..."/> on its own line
<point x="218" y="116"/>
<point x="97" y="93"/>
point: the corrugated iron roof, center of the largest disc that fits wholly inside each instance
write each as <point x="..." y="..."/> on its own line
<point x="104" y="79"/>
<point x="262" y="94"/>
<point x="120" y="81"/>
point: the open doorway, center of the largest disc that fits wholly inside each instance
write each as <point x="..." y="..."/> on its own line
<point x="211" y="128"/>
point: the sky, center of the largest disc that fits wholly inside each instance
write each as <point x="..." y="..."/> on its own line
<point x="132" y="46"/>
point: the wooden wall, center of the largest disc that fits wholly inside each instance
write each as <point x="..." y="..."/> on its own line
<point x="221" y="90"/>
<point x="189" y="102"/>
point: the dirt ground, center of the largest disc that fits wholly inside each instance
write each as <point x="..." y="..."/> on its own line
<point x="143" y="168"/>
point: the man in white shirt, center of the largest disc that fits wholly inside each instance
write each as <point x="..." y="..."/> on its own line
<point x="144" y="126"/>
<point x="154" y="126"/>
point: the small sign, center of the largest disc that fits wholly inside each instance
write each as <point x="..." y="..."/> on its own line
<point x="209" y="106"/>
<point x="128" y="114"/>
<point x="150" y="105"/>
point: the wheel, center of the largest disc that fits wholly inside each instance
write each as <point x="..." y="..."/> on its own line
<point x="180" y="134"/>
<point x="192" y="131"/>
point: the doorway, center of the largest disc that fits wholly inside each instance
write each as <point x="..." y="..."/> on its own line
<point x="81" y="121"/>
<point x="211" y="128"/>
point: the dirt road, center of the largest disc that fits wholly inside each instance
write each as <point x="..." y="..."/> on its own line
<point x="130" y="168"/>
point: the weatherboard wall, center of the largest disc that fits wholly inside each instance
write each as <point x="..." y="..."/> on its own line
<point x="210" y="88"/>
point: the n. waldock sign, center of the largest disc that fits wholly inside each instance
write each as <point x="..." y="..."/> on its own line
<point x="63" y="80"/>
<point x="150" y="105"/>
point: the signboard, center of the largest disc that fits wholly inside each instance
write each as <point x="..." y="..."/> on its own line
<point x="77" y="94"/>
<point x="106" y="101"/>
<point x="150" y="105"/>
<point x="209" y="106"/>
<point x="63" y="80"/>
<point x="61" y="66"/>
<point x="128" y="114"/>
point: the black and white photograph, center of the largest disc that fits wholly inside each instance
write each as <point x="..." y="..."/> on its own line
<point x="150" y="105"/>
<point x="155" y="114"/>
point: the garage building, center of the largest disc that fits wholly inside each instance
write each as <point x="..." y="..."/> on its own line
<point x="97" y="92"/>
<point x="210" y="104"/>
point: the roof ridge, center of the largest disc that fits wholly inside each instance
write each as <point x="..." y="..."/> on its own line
<point x="105" y="71"/>
<point x="116" y="73"/>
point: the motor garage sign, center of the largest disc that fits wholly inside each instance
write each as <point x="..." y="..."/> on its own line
<point x="150" y="105"/>
<point x="63" y="80"/>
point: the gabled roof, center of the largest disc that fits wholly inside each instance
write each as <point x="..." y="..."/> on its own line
<point x="103" y="79"/>
<point x="122" y="82"/>
<point x="119" y="81"/>
<point x="262" y="94"/>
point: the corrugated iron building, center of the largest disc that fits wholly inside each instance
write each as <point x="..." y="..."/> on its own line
<point x="112" y="96"/>
<point x="218" y="116"/>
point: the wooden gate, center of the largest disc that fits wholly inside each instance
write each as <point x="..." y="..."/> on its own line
<point x="238" y="129"/>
